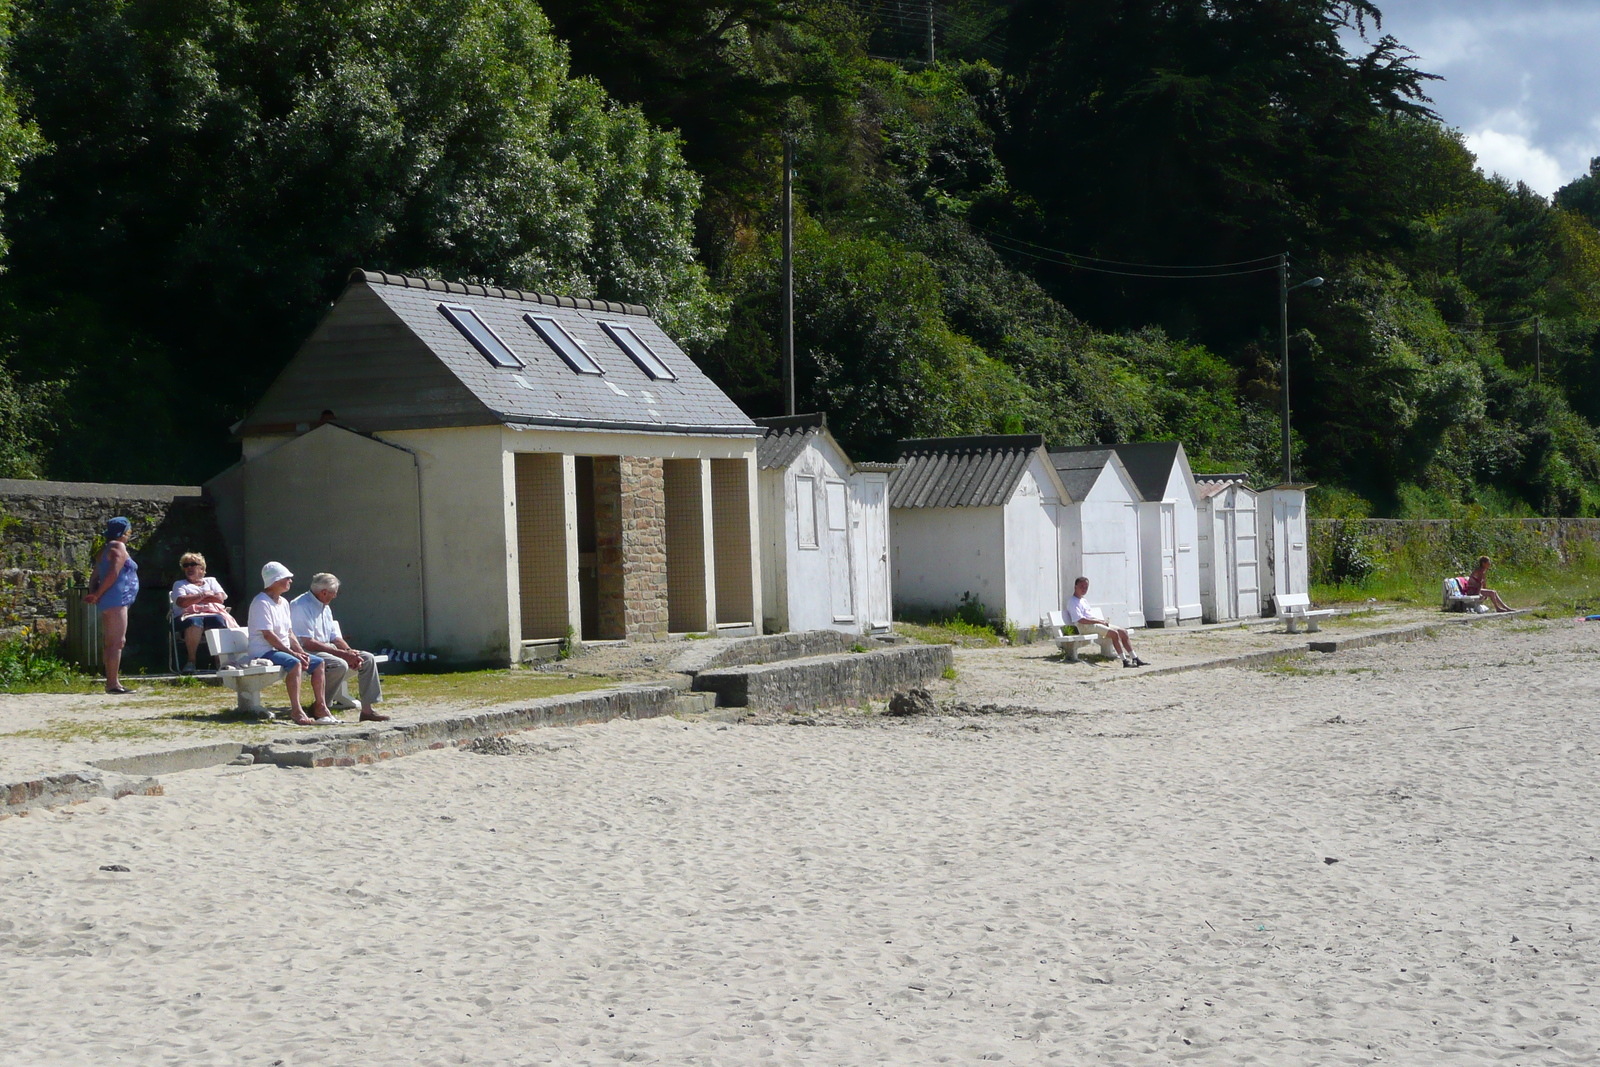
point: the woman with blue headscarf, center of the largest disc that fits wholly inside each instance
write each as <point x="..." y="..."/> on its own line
<point x="116" y="583"/>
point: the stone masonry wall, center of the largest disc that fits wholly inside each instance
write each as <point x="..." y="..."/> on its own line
<point x="644" y="547"/>
<point x="50" y="533"/>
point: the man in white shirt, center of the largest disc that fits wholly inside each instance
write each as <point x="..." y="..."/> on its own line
<point x="272" y="638"/>
<point x="1081" y="615"/>
<point x="314" y="626"/>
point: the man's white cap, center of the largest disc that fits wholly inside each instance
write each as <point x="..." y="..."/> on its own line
<point x="274" y="572"/>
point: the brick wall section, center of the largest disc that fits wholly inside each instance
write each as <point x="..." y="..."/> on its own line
<point x="644" y="547"/>
<point x="48" y="535"/>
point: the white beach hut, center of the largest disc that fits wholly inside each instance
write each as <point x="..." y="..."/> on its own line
<point x="1168" y="531"/>
<point x="1229" y="548"/>
<point x="824" y="531"/>
<point x="1100" y="531"/>
<point x="1281" y="520"/>
<point x="977" y="516"/>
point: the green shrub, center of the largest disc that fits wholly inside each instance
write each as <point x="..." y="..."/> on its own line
<point x="31" y="662"/>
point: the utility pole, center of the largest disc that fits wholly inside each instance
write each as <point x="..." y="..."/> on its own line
<point x="1284" y="289"/>
<point x="1283" y="373"/>
<point x="930" y="33"/>
<point x="788" y="275"/>
<point x="1538" y="353"/>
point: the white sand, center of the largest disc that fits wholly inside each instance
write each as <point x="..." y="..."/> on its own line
<point x="1141" y="882"/>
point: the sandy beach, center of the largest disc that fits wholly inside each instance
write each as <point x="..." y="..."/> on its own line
<point x="1391" y="855"/>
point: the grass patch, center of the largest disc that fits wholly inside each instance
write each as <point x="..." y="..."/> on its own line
<point x="949" y="674"/>
<point x="68" y="730"/>
<point x="957" y="632"/>
<point x="1556" y="588"/>
<point x="485" y="687"/>
<point x="30" y="664"/>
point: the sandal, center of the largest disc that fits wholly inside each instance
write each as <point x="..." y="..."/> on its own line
<point x="119" y="690"/>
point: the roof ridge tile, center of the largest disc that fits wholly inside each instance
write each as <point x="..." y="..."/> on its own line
<point x="407" y="281"/>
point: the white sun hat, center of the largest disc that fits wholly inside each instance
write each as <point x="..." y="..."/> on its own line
<point x="274" y="572"/>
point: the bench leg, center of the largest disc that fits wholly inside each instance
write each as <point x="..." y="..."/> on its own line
<point x="250" y="702"/>
<point x="1072" y="653"/>
<point x="1312" y="626"/>
<point x="1292" y="623"/>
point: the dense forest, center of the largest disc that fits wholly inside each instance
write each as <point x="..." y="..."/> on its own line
<point x="1055" y="216"/>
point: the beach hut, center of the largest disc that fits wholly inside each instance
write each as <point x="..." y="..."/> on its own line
<point x="1281" y="522"/>
<point x="824" y="531"/>
<point x="1168" y="530"/>
<point x="1100" y="531"/>
<point x="493" y="473"/>
<point x="977" y="518"/>
<point x="1229" y="548"/>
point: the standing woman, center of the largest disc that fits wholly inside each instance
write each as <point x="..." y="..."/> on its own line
<point x="116" y="583"/>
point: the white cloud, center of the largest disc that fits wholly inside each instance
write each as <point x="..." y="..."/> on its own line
<point x="1512" y="155"/>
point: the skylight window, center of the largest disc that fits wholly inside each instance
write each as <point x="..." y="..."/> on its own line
<point x="565" y="345"/>
<point x="642" y="353"/>
<point x="483" y="339"/>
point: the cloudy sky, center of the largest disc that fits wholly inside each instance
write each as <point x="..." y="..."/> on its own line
<point x="1522" y="79"/>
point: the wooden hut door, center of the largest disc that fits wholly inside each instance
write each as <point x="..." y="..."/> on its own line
<point x="1169" y="558"/>
<point x="875" y="538"/>
<point x="838" y="548"/>
<point x="1246" y="553"/>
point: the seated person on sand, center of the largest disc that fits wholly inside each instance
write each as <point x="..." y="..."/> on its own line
<point x="272" y="638"/>
<point x="1472" y="584"/>
<point x="313" y="625"/>
<point x="1081" y="615"/>
<point x="200" y="605"/>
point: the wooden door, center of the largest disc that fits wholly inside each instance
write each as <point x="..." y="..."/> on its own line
<point x="1246" y="559"/>
<point x="836" y="501"/>
<point x="874" y="519"/>
<point x="1169" y="559"/>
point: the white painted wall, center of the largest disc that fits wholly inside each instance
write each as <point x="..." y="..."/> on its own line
<point x="1281" y="519"/>
<point x="940" y="553"/>
<point x="813" y="571"/>
<point x="1032" y="549"/>
<point x="869" y="499"/>
<point x="1100" y="542"/>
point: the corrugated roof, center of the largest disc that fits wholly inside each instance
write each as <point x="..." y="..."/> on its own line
<point x="961" y="472"/>
<point x="786" y="438"/>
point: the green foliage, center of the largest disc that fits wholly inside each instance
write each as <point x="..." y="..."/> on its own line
<point x="187" y="229"/>
<point x="19" y="139"/>
<point x="31" y="662"/>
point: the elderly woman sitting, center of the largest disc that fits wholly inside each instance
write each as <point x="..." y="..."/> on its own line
<point x="200" y="605"/>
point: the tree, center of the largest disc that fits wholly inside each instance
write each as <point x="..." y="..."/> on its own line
<point x="241" y="158"/>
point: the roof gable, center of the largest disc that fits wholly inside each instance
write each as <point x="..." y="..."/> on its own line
<point x="400" y="323"/>
<point x="966" y="472"/>
<point x="1082" y="469"/>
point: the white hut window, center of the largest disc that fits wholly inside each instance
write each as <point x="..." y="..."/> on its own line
<point x="805" y="511"/>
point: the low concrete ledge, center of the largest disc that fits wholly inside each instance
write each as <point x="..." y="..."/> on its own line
<point x="347" y="748"/>
<point x="848" y="680"/>
<point x="177" y="759"/>
<point x="1408" y="633"/>
<point x="1264" y="658"/>
<point x="72" y="787"/>
<point x="744" y="651"/>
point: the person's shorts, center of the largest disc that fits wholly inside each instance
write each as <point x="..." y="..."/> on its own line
<point x="1093" y="629"/>
<point x="205" y="622"/>
<point x="289" y="663"/>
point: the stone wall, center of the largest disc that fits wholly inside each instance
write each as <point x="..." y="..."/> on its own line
<point x="644" y="547"/>
<point x="51" y="531"/>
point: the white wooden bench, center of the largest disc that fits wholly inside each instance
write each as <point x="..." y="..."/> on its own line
<point x="233" y="670"/>
<point x="1054" y="626"/>
<point x="1295" y="608"/>
<point x="1456" y="600"/>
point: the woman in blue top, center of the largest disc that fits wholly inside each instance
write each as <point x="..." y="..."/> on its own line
<point x="116" y="583"/>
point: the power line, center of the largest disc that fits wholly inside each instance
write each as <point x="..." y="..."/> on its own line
<point x="1076" y="259"/>
<point x="1137" y="274"/>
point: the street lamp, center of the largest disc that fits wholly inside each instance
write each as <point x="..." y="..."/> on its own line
<point x="1284" y="289"/>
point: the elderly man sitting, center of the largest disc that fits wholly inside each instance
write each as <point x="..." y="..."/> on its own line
<point x="314" y="626"/>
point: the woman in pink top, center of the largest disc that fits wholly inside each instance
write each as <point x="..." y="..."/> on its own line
<point x="1472" y="585"/>
<point x="200" y="603"/>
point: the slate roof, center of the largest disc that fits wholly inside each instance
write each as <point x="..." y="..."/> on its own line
<point x="961" y="472"/>
<point x="787" y="437"/>
<point x="1079" y="468"/>
<point x="344" y="367"/>
<point x="1148" y="463"/>
<point x="1209" y="485"/>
